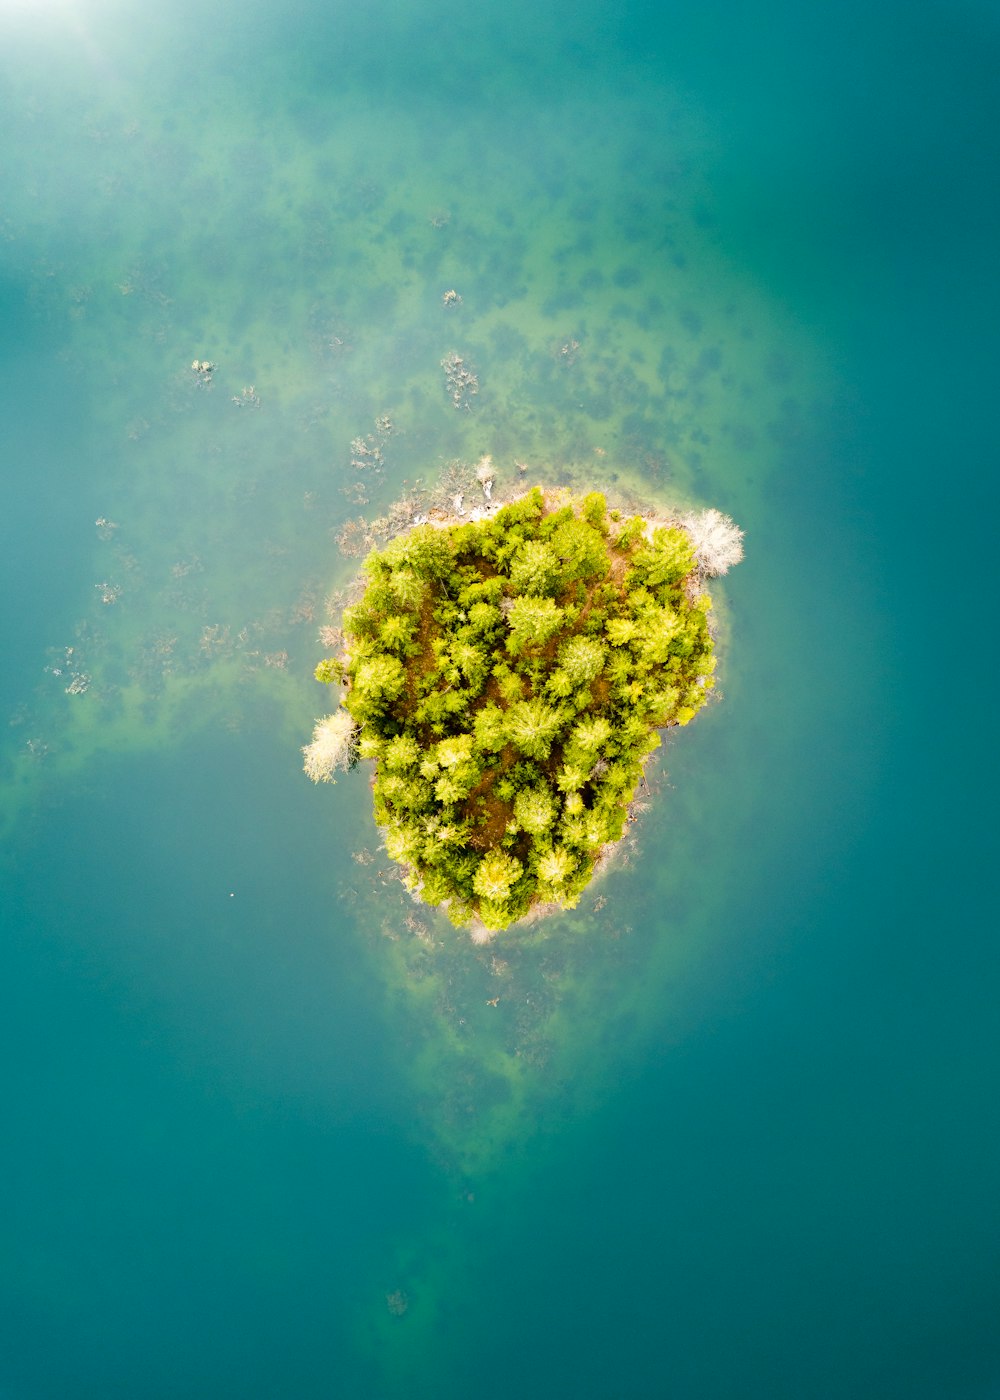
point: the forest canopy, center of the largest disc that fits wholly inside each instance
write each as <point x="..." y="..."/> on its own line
<point x="508" y="676"/>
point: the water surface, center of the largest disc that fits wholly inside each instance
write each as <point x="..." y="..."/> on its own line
<point x="731" y="1128"/>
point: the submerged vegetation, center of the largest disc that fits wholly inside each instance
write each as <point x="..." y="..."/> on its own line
<point x="508" y="675"/>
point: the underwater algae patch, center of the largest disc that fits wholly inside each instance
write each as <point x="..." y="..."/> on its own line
<point x="507" y="671"/>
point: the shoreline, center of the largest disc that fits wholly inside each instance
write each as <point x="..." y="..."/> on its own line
<point x="689" y="597"/>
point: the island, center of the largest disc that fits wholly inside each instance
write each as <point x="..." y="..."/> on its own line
<point x="508" y="674"/>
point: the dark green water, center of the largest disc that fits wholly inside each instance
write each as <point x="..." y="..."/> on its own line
<point x="732" y="1133"/>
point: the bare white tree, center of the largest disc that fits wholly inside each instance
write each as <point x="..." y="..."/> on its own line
<point x="331" y="748"/>
<point x="717" y="540"/>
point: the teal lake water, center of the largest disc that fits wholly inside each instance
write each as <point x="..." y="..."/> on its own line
<point x="731" y="1129"/>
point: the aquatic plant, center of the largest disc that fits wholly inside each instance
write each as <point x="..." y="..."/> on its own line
<point x="462" y="384"/>
<point x="507" y="675"/>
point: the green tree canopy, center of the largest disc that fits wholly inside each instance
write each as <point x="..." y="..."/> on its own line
<point x="506" y="676"/>
<point x="532" y="621"/>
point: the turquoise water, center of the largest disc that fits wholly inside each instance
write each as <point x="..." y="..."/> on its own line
<point x="731" y="1128"/>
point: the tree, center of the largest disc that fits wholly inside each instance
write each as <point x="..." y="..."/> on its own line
<point x="448" y="789"/>
<point x="534" y="569"/>
<point x="496" y="874"/>
<point x="555" y="866"/>
<point x="496" y="914"/>
<point x="534" y="810"/>
<point x="590" y="735"/>
<point x="329" y="671"/>
<point x="450" y="753"/>
<point x="581" y="550"/>
<point x="532" y="725"/>
<point x="572" y="776"/>
<point x="396" y="632"/>
<point x="489" y="730"/>
<point x="717" y="541"/>
<point x="621" y="630"/>
<point x="630" y="533"/>
<point x="666" y="559"/>
<point x="594" y="509"/>
<point x="581" y="658"/>
<point x="403" y="842"/>
<point x="408" y="588"/>
<point x="509" y="683"/>
<point x="404" y="792"/>
<point x="560" y="684"/>
<point x="484" y="618"/>
<point x="401" y="753"/>
<point x="471" y="661"/>
<point x="424" y="550"/>
<point x="525" y="511"/>
<point x="532" y="621"/>
<point x="331" y="749"/>
<point x="379" y="680"/>
<point x="658" y="631"/>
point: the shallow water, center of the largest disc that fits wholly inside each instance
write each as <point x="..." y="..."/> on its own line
<point x="730" y="1129"/>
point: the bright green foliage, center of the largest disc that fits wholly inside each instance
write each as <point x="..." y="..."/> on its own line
<point x="408" y="588"/>
<point x="621" y="630"/>
<point x="667" y="558"/>
<point x="560" y="684"/>
<point x="490" y="733"/>
<point x="396" y="632"/>
<point x="581" y="658"/>
<point x="454" y="752"/>
<point x="423" y="550"/>
<point x="495" y="875"/>
<point x="496" y="914"/>
<point x="581" y="550"/>
<point x="485" y="620"/>
<point x="594" y="510"/>
<point x="377" y="682"/>
<point x="535" y="568"/>
<point x="401" y="753"/>
<point x="532" y="725"/>
<point x="507" y="677"/>
<point x="532" y="621"/>
<point x="555" y="866"/>
<point x="329" y="671"/>
<point x="590" y="735"/>
<point x="534" y="810"/>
